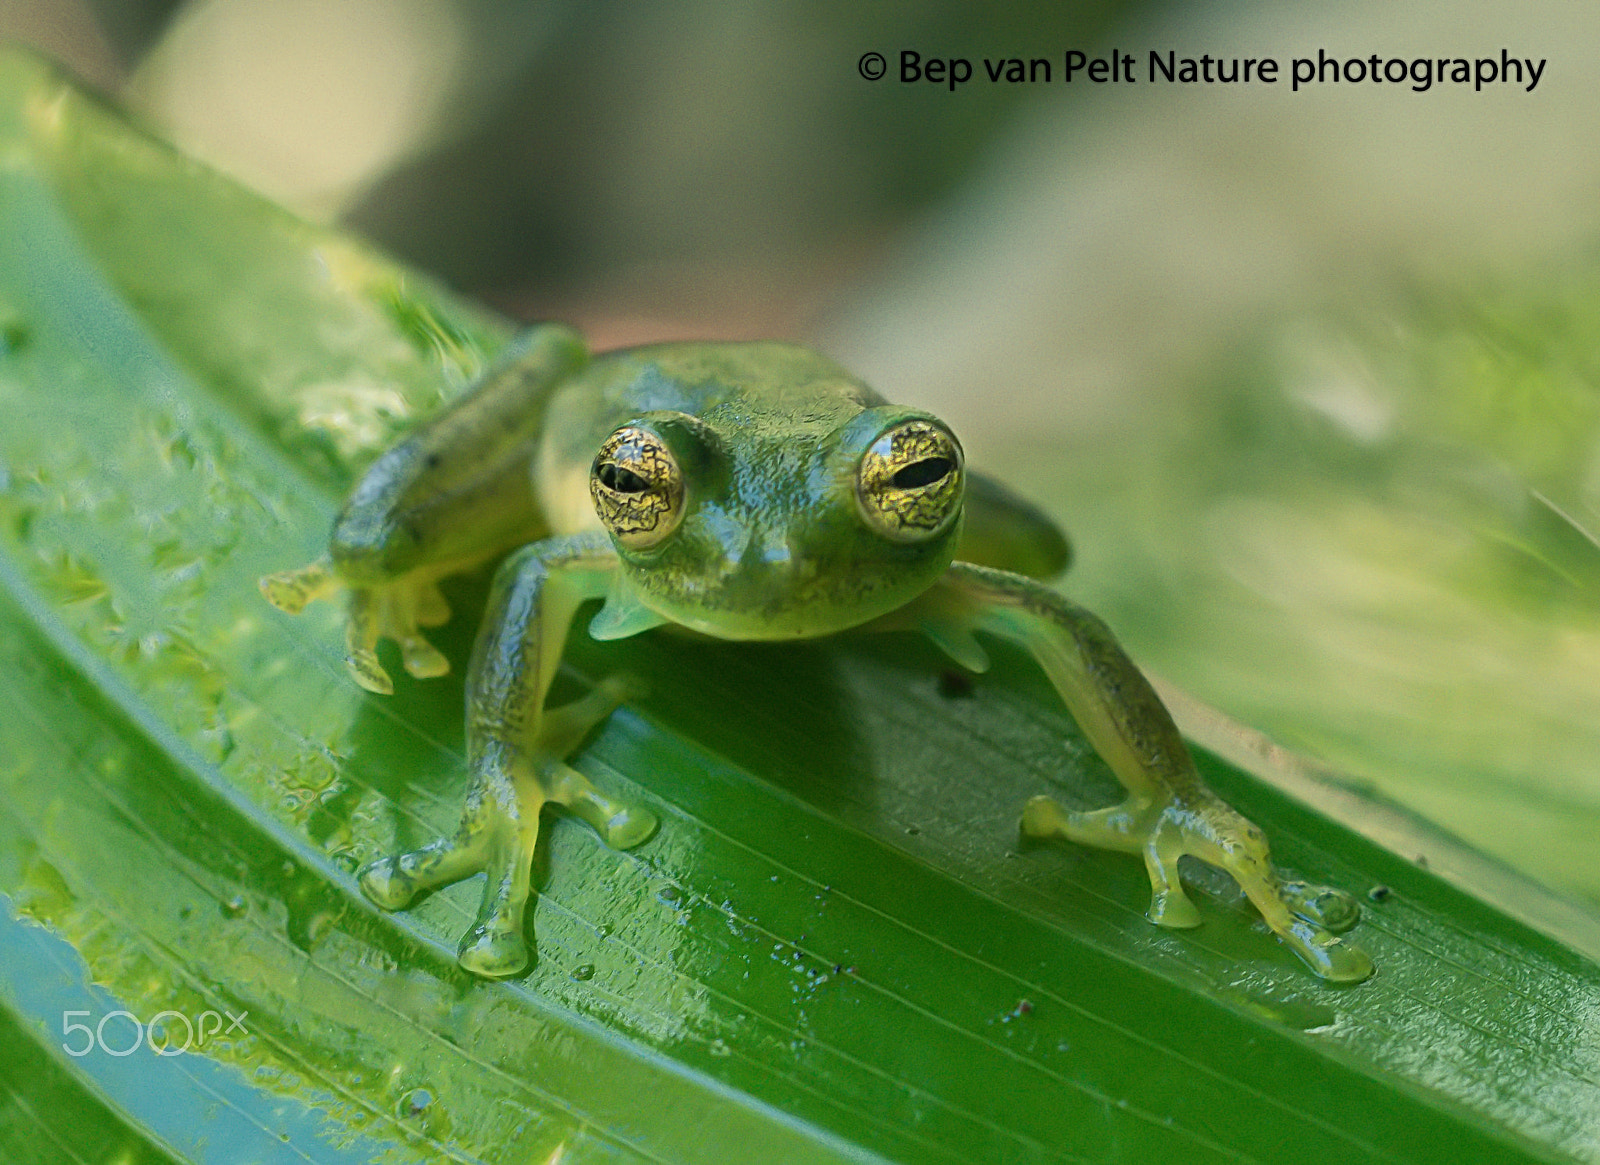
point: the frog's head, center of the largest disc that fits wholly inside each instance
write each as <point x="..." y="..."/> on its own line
<point x="755" y="521"/>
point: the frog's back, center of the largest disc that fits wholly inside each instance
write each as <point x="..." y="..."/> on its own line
<point x="783" y="382"/>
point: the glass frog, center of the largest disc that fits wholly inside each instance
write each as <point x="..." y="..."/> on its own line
<point x="743" y="491"/>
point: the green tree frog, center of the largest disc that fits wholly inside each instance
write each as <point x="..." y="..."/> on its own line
<point x="743" y="491"/>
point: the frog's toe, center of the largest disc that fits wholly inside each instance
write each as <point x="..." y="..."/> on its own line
<point x="1169" y="905"/>
<point x="495" y="952"/>
<point x="423" y="660"/>
<point x="392" y="882"/>
<point x="361" y="641"/>
<point x="629" y="826"/>
<point x="1042" y="818"/>
<point x="291" y="590"/>
<point x="1322" y="906"/>
<point x="385" y="885"/>
<point x="495" y="946"/>
<point x="406" y="606"/>
<point x="1172" y="908"/>
<point x="619" y="824"/>
<point x="1328" y="956"/>
<point x="364" y="668"/>
<point x="1117" y="827"/>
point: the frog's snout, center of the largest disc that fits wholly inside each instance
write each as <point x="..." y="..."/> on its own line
<point x="763" y="570"/>
<point x="768" y="547"/>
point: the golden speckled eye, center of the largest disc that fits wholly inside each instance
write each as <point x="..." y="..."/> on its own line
<point x="637" y="487"/>
<point x="910" y="482"/>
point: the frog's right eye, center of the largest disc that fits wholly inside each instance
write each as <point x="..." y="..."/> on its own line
<point x="637" y="487"/>
<point x="909" y="484"/>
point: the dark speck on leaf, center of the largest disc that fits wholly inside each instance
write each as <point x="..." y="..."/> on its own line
<point x="954" y="684"/>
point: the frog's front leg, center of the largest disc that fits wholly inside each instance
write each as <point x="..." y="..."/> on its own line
<point x="1169" y="811"/>
<point x="455" y="493"/>
<point x="516" y="752"/>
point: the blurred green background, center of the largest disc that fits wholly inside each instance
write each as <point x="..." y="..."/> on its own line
<point x="1311" y="377"/>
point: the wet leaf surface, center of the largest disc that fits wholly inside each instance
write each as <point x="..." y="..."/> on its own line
<point x="832" y="950"/>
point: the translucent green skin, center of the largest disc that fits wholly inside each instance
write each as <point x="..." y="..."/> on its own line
<point x="773" y="544"/>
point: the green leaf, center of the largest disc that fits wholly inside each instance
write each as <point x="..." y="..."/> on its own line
<point x="832" y="950"/>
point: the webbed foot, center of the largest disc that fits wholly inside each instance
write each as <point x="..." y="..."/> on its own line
<point x="1304" y="917"/>
<point x="394" y="610"/>
<point x="499" y="832"/>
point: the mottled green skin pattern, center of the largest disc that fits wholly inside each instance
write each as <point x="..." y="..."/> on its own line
<point x="764" y="501"/>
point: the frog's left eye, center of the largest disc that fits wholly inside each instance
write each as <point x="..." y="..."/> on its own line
<point x="909" y="485"/>
<point x="637" y="487"/>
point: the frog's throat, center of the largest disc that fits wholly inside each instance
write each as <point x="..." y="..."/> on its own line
<point x="628" y="611"/>
<point x="623" y="615"/>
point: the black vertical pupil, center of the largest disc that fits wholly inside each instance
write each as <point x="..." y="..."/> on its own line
<point x="924" y="472"/>
<point x="623" y="481"/>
